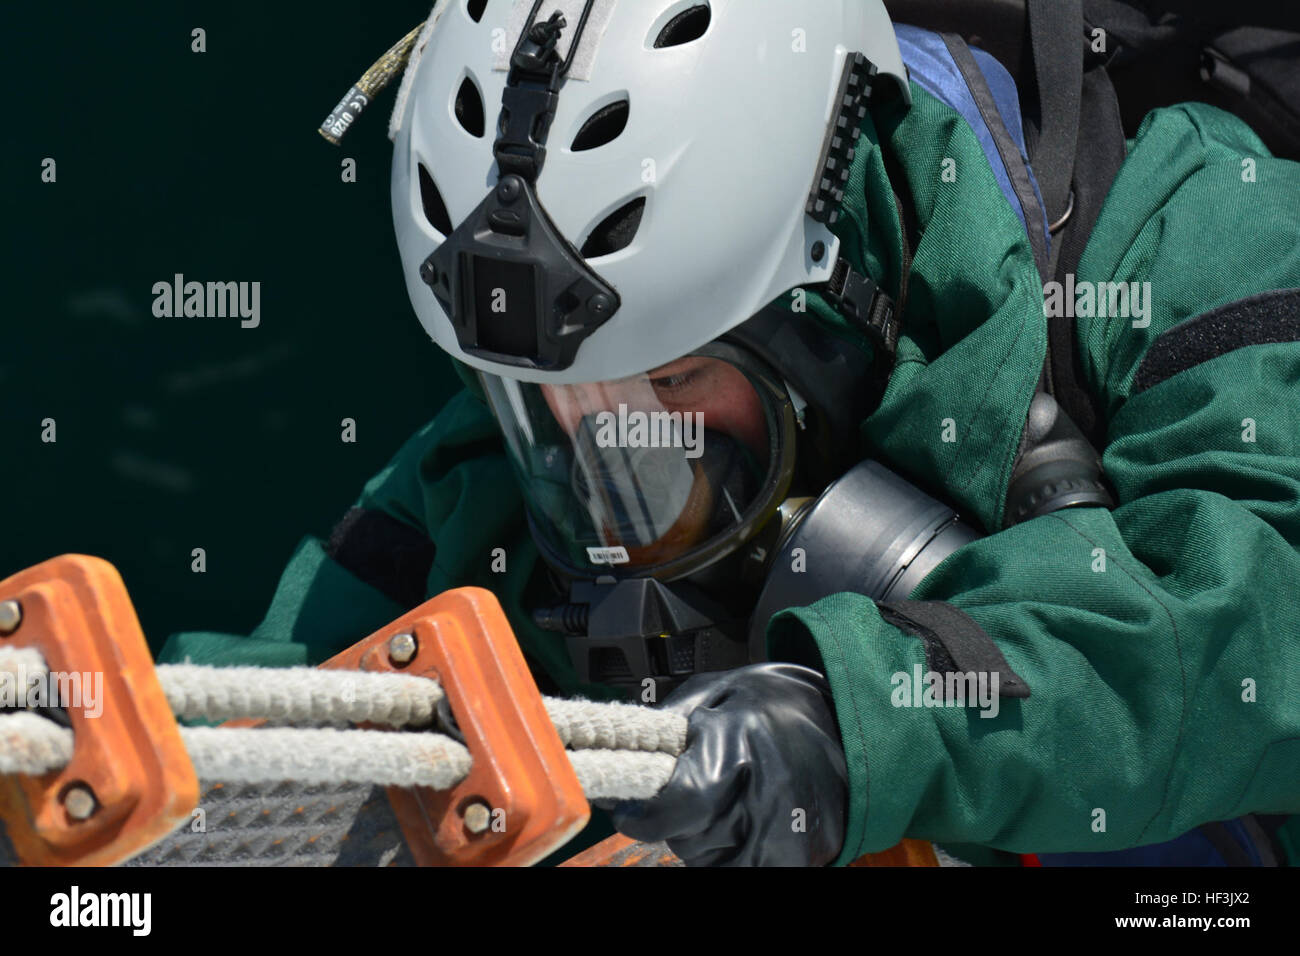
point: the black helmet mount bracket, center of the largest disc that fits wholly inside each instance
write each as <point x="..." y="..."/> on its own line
<point x="515" y="289"/>
<point x="517" y="292"/>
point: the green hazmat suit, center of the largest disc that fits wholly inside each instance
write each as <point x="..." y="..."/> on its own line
<point x="1161" y="640"/>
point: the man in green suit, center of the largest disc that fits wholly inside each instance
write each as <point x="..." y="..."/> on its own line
<point x="760" y="223"/>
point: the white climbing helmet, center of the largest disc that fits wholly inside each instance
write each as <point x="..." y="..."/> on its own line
<point x="695" y="157"/>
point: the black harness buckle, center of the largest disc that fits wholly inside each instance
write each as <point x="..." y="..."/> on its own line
<point x="528" y="103"/>
<point x="868" y="310"/>
<point x="526" y="115"/>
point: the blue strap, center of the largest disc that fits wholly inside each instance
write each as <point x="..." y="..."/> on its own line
<point x="931" y="67"/>
<point x="1231" y="843"/>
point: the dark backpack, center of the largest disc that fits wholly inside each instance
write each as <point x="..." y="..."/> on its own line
<point x="1082" y="99"/>
<point x="1080" y="104"/>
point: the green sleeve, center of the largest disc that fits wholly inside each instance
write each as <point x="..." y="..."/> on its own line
<point x="450" y="482"/>
<point x="320" y="608"/>
<point x="1161" y="640"/>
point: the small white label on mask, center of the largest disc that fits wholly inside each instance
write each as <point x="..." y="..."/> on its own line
<point x="615" y="555"/>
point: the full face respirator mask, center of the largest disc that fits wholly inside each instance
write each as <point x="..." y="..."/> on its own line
<point x="686" y="559"/>
<point x="606" y="266"/>
<point x="672" y="506"/>
<point x="696" y="497"/>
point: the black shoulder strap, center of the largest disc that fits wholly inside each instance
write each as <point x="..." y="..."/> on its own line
<point x="1095" y="170"/>
<point x="391" y="556"/>
<point x="1076" y="146"/>
<point x="1052" y="127"/>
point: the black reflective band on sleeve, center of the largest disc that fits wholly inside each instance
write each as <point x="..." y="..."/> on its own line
<point x="1264" y="319"/>
<point x="387" y="554"/>
<point x="953" y="642"/>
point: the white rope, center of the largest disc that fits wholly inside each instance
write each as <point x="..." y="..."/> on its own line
<point x="313" y="755"/>
<point x="621" y="774"/>
<point x="620" y="750"/>
<point x="588" y="725"/>
<point x="30" y="743"/>
<point x="309" y="695"/>
<point x="298" y="695"/>
<point x="19" y="666"/>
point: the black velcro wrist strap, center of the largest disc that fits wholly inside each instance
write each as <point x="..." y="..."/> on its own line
<point x="1268" y="318"/>
<point x="953" y="642"/>
<point x="385" y="553"/>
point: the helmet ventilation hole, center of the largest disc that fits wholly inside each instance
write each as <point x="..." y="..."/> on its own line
<point x="435" y="210"/>
<point x="469" y="108"/>
<point x="616" y="231"/>
<point x="688" y="25"/>
<point x="475" y="9"/>
<point x="603" y="126"/>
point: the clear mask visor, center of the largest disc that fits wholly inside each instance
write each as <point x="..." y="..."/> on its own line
<point x="641" y="473"/>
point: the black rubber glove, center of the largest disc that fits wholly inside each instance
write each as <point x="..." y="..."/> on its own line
<point x="761" y="745"/>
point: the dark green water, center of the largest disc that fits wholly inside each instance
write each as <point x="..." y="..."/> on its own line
<point x="183" y="433"/>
